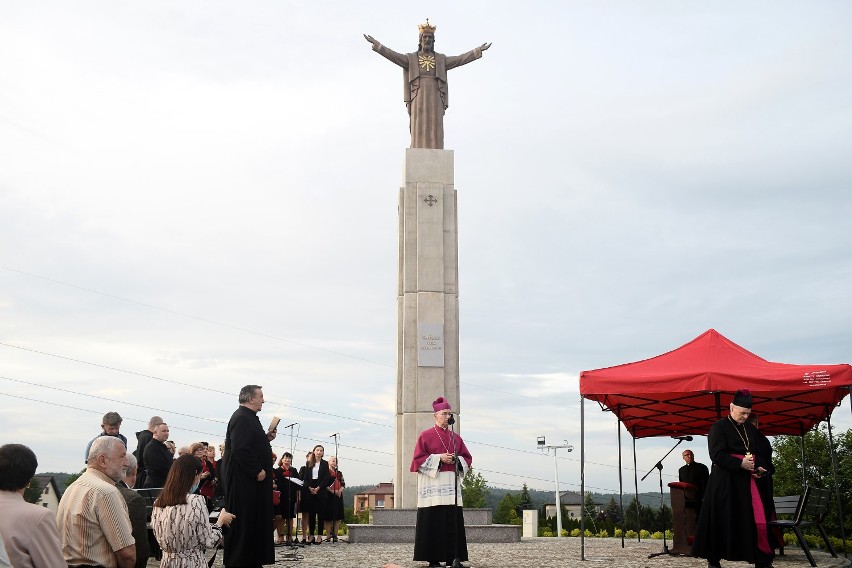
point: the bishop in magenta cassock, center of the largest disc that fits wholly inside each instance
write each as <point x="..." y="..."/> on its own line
<point x="439" y="536"/>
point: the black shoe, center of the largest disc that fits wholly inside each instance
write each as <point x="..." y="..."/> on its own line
<point x="711" y="564"/>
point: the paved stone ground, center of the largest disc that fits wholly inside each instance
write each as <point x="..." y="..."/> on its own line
<point x="530" y="552"/>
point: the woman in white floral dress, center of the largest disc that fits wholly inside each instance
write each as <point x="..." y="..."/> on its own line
<point x="180" y="520"/>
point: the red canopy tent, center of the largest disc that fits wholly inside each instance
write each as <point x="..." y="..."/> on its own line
<point x="684" y="391"/>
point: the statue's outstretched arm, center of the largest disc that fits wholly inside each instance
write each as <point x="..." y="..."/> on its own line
<point x="389" y="54"/>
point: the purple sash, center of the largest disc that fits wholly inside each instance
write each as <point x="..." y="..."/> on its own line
<point x="759" y="514"/>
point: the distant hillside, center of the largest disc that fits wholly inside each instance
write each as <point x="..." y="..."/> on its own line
<point x="541" y="498"/>
<point x="495" y="494"/>
<point x="60" y="478"/>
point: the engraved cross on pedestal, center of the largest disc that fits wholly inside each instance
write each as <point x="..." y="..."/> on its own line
<point x="430" y="200"/>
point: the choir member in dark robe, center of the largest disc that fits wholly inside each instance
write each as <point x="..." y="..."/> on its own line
<point x="315" y="480"/>
<point x="732" y="524"/>
<point x="439" y="534"/>
<point x="697" y="474"/>
<point x="247" y="475"/>
<point x="289" y="496"/>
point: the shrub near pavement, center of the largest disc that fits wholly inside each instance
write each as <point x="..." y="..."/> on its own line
<point x="789" y="539"/>
<point x="815" y="541"/>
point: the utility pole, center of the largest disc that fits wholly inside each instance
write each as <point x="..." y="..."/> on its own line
<point x="544" y="447"/>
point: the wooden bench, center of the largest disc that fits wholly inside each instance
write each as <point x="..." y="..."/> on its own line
<point x="806" y="510"/>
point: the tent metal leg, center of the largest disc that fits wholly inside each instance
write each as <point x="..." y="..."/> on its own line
<point x="636" y="489"/>
<point x="620" y="481"/>
<point x="836" y="485"/>
<point x="582" y="477"/>
<point x="804" y="457"/>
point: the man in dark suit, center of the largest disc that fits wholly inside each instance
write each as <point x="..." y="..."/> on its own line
<point x="136" y="509"/>
<point x="158" y="459"/>
<point x="696" y="474"/>
<point x="143" y="437"/>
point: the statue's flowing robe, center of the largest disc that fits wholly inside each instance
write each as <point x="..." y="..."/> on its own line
<point x="426" y="93"/>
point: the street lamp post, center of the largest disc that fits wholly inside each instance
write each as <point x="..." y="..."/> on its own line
<point x="543" y="446"/>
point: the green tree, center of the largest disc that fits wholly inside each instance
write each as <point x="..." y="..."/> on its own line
<point x="524" y="500"/>
<point x="474" y="490"/>
<point x="788" y="477"/>
<point x="631" y="515"/>
<point x="590" y="510"/>
<point x="646" y="516"/>
<point x="32" y="493"/>
<point x="662" y="519"/>
<point x="506" y="512"/>
<point x="73" y="477"/>
<point x="613" y="511"/>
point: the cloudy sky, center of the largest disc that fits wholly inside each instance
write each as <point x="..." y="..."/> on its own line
<point x="199" y="195"/>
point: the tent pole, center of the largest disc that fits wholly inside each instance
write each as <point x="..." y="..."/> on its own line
<point x="804" y="458"/>
<point x="582" y="479"/>
<point x="636" y="488"/>
<point x="834" y="475"/>
<point x="620" y="481"/>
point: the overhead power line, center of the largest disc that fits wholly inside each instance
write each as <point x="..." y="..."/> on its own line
<point x="204" y="388"/>
<point x="244" y="329"/>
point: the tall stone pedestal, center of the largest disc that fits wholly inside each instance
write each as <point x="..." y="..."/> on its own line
<point x="427" y="303"/>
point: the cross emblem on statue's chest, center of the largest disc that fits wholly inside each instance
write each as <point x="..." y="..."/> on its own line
<point x="430" y="200"/>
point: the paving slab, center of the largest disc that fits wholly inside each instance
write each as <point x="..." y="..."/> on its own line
<point x="530" y="552"/>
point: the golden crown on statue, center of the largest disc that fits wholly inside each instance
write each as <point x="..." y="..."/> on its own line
<point x="426" y="28"/>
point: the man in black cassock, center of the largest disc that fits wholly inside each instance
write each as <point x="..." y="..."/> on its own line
<point x="732" y="523"/>
<point x="697" y="474"/>
<point x="247" y="474"/>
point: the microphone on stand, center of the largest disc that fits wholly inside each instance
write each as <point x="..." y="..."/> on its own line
<point x="683" y="438"/>
<point x="451" y="420"/>
<point x="290" y="425"/>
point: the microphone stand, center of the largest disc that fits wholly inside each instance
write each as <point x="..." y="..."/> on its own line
<point x="333" y="496"/>
<point x="456" y="562"/>
<point x="659" y="467"/>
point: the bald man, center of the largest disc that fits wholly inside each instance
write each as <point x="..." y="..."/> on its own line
<point x="697" y="474"/>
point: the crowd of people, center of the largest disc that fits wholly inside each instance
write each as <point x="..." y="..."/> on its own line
<point x="240" y="502"/>
<point x="101" y="519"/>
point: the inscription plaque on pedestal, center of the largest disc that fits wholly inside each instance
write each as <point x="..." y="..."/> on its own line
<point x="430" y="345"/>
